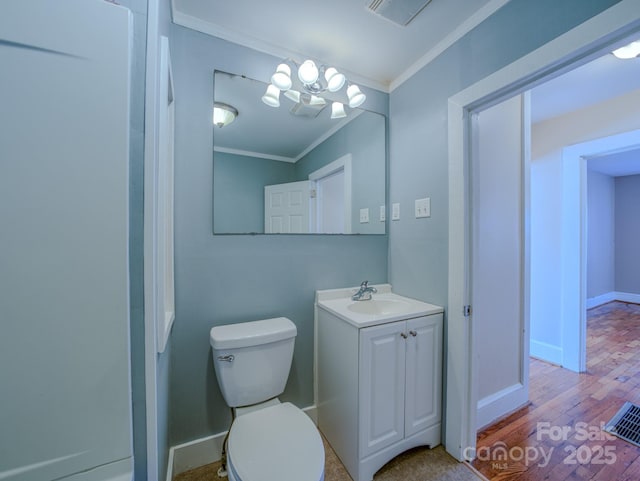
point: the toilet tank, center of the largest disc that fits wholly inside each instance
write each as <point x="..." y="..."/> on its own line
<point x="252" y="359"/>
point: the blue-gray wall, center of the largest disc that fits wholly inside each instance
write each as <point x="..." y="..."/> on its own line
<point x="365" y="139"/>
<point x="600" y="234"/>
<point x="238" y="180"/>
<point x="235" y="278"/>
<point x="238" y="183"/>
<point x="223" y="279"/>
<point x="627" y="233"/>
<point x="418" y="131"/>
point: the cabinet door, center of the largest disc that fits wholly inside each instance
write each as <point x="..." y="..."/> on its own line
<point x="381" y="386"/>
<point x="423" y="373"/>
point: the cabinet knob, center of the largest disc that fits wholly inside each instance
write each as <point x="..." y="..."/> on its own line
<point x="403" y="335"/>
<point x="413" y="333"/>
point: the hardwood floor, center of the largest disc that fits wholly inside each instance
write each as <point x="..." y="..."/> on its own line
<point x="558" y="436"/>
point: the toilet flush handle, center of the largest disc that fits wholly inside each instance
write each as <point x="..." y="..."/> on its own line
<point x="226" y="358"/>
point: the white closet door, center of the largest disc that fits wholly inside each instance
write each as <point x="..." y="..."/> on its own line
<point x="64" y="282"/>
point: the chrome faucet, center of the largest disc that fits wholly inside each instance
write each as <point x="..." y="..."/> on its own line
<point x="364" y="294"/>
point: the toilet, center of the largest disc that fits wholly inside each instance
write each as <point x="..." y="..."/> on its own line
<point x="268" y="440"/>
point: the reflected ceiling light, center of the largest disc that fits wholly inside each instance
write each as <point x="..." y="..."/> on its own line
<point x="335" y="80"/>
<point x="293" y="95"/>
<point x="282" y="77"/>
<point x="272" y="96"/>
<point x="308" y="72"/>
<point x="628" y="51"/>
<point x="223" y="114"/>
<point x="312" y="80"/>
<point x="356" y="98"/>
<point x="337" y="110"/>
<point x="315" y="100"/>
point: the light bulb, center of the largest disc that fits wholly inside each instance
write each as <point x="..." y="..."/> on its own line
<point x="628" y="51"/>
<point x="272" y="96"/>
<point x="337" y="110"/>
<point x="308" y="72"/>
<point x="335" y="80"/>
<point x="356" y="98"/>
<point x="282" y="77"/>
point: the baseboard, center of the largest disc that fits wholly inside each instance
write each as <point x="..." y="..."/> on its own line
<point x="545" y="352"/>
<point x="628" y="297"/>
<point x="601" y="299"/>
<point x="207" y="450"/>
<point x="496" y="405"/>
<point x="612" y="296"/>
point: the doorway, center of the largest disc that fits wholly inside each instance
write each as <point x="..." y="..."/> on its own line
<point x="577" y="47"/>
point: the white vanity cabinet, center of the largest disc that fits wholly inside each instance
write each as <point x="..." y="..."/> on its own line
<point x="379" y="382"/>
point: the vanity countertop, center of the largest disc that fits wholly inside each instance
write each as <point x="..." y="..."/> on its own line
<point x="384" y="306"/>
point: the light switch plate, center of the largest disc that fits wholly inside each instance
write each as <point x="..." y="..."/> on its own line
<point x="423" y="207"/>
<point x="383" y="213"/>
<point x="395" y="212"/>
<point x="364" y="215"/>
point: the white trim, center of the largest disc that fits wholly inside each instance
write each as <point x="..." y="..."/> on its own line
<point x="150" y="241"/>
<point x="546" y="352"/>
<point x="493" y="407"/>
<point x="342" y="163"/>
<point x="464" y="28"/>
<point x="165" y="313"/>
<point x="601" y="299"/>
<point x="337" y="126"/>
<point x="628" y="297"/>
<point x="573" y="260"/>
<point x="577" y="46"/>
<point x="612" y="296"/>
<point x="207" y="450"/>
<point x="574" y="242"/>
<point x="259" y="155"/>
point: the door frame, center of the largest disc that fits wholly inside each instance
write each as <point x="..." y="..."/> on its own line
<point x="576" y="47"/>
<point x="341" y="163"/>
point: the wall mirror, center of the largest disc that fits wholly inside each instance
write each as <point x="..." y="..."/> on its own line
<point x="293" y="168"/>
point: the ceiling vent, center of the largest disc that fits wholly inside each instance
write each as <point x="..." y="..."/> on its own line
<point x="306" y="110"/>
<point x="400" y="12"/>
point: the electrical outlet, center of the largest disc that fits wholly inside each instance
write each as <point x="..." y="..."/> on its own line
<point x="395" y="212"/>
<point x="423" y="207"/>
<point x="364" y="215"/>
<point x="383" y="213"/>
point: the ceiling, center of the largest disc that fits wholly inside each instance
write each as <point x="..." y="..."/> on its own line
<point x="381" y="54"/>
<point x="370" y="49"/>
<point x="602" y="79"/>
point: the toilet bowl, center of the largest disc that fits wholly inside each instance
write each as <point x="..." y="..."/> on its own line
<point x="268" y="440"/>
<point x="275" y="443"/>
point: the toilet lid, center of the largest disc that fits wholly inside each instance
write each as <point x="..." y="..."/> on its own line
<point x="276" y="443"/>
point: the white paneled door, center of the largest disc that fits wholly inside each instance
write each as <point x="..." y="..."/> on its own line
<point x="498" y="265"/>
<point x="286" y="208"/>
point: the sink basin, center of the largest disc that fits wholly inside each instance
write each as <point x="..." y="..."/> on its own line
<point x="384" y="306"/>
<point x="379" y="307"/>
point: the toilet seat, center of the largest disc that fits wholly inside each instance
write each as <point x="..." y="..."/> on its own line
<point x="275" y="443"/>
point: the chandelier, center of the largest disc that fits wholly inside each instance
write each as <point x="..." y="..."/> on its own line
<point x="314" y="80"/>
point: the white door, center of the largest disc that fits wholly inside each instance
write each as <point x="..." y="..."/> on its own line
<point x="423" y="373"/>
<point x="499" y="212"/>
<point x="64" y="282"/>
<point x="286" y="208"/>
<point x="330" y="203"/>
<point x="381" y="386"/>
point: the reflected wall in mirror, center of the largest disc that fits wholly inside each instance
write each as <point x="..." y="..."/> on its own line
<point x="294" y="169"/>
